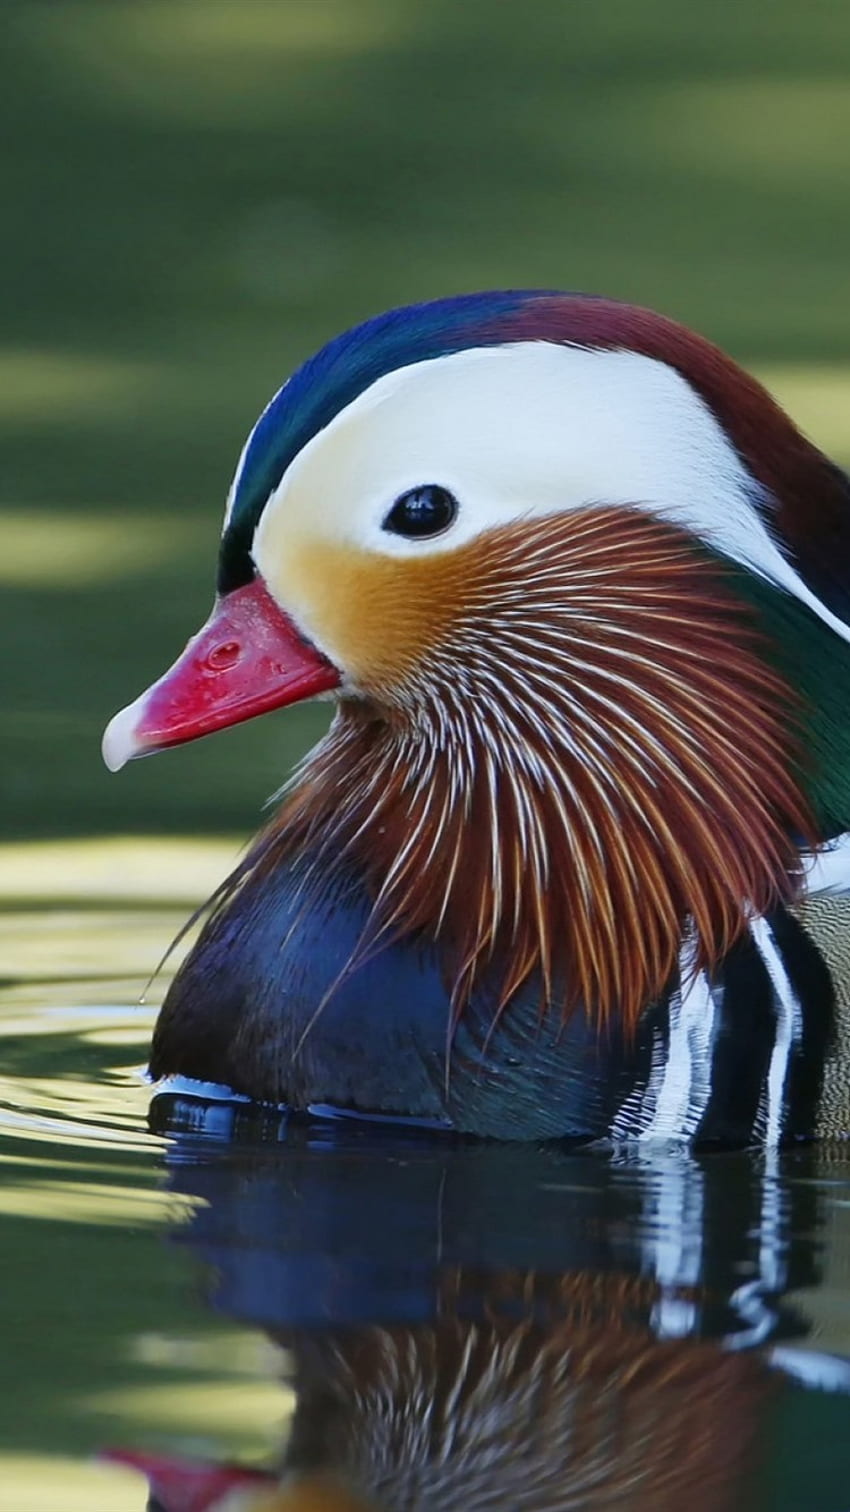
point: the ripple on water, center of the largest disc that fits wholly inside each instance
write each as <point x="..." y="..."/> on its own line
<point x="74" y="1033"/>
<point x="106" y="1339"/>
<point x="83" y="927"/>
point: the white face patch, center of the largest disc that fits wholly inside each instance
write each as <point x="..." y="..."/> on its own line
<point x="523" y="430"/>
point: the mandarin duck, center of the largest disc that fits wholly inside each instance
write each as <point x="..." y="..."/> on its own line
<point x="580" y="593"/>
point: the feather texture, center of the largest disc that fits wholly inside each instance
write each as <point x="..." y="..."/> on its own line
<point x="589" y="750"/>
<point x="805" y="498"/>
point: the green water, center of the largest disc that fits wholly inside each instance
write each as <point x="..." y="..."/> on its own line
<point x="196" y="194"/>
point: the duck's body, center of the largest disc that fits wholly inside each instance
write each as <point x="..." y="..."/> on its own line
<point x="700" y="1069"/>
<point x="580" y="590"/>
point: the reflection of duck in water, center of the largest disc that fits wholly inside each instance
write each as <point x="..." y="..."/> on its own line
<point x="181" y="1485"/>
<point x="580" y="591"/>
<point x="533" y="1416"/>
<point x="463" y="1419"/>
<point x="486" y="1328"/>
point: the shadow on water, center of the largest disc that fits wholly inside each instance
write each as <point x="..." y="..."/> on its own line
<point x="472" y="1326"/>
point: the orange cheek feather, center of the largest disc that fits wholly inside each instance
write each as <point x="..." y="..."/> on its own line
<point x="373" y="616"/>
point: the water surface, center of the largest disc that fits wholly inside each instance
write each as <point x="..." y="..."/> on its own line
<point x="437" y="1322"/>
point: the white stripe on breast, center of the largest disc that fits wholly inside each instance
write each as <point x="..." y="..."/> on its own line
<point x="676" y="1095"/>
<point x="686" y="1086"/>
<point x="789" y="1027"/>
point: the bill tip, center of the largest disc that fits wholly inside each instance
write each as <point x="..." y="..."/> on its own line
<point x="119" y="743"/>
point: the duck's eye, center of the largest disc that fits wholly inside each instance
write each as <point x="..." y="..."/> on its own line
<point x="424" y="511"/>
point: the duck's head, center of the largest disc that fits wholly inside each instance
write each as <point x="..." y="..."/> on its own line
<point x="513" y="535"/>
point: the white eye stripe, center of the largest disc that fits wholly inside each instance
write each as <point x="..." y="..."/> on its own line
<point x="522" y="431"/>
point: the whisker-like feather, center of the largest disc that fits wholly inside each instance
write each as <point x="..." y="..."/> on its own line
<point x="591" y="755"/>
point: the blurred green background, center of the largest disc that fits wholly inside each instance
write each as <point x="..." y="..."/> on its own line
<point x="196" y="194"/>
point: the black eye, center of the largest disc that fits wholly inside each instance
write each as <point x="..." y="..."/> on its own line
<point x="423" y="511"/>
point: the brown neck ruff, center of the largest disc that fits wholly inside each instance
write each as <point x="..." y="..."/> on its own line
<point x="591" y="756"/>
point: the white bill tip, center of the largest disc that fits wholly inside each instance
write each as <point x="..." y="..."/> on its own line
<point x="119" y="738"/>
